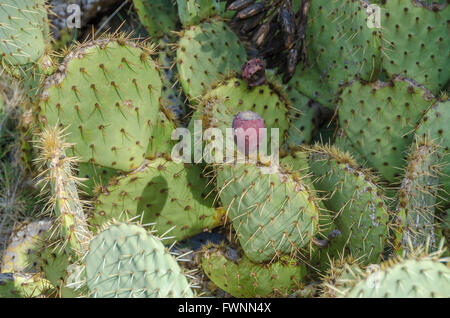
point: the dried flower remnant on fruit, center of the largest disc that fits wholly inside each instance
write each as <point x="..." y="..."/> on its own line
<point x="254" y="72"/>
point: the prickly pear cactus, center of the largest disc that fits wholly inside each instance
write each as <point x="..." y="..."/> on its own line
<point x="309" y="82"/>
<point x="297" y="162"/>
<point x="23" y="242"/>
<point x="124" y="130"/>
<point x="355" y="199"/>
<point x="328" y="245"/>
<point x="55" y="264"/>
<point x="161" y="142"/>
<point x="329" y="242"/>
<point x="220" y="106"/>
<point x="94" y="178"/>
<point x="379" y="119"/>
<point x="341" y="45"/>
<point x="66" y="241"/>
<point x="415" y="35"/>
<point x="205" y="52"/>
<point x="338" y="277"/>
<point x="15" y="285"/>
<point x="125" y="261"/>
<point x="259" y="204"/>
<point x="434" y="125"/>
<point x="343" y="143"/>
<point x="247" y="279"/>
<point x="415" y="277"/>
<point x="23" y="31"/>
<point x="107" y="94"/>
<point x="193" y="12"/>
<point x="302" y="117"/>
<point x="72" y="233"/>
<point x="417" y="195"/>
<point x="169" y="194"/>
<point x="158" y="16"/>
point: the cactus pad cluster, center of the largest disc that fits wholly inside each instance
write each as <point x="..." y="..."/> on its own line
<point x="341" y="189"/>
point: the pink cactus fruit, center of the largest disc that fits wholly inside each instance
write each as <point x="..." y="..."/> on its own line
<point x="246" y="131"/>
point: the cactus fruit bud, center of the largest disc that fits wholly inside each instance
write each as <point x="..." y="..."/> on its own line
<point x="248" y="125"/>
<point x="254" y="72"/>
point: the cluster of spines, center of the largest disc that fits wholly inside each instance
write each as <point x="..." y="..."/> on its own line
<point x="126" y="260"/>
<point x="70" y="229"/>
<point x="417" y="195"/>
<point x="421" y="274"/>
<point x="63" y="246"/>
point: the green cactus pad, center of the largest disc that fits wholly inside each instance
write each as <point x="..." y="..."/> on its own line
<point x="107" y="95"/>
<point x="434" y="124"/>
<point x="54" y="263"/>
<point x="410" y="278"/>
<point x="298" y="163"/>
<point x="69" y="220"/>
<point x="95" y="177"/>
<point x="23" y="242"/>
<point x="343" y="143"/>
<point x="205" y="53"/>
<point x="158" y="16"/>
<point x="66" y="241"/>
<point x="167" y="193"/>
<point x="192" y="12"/>
<point x="273" y="212"/>
<point x="328" y="245"/>
<point x="379" y="120"/>
<point x="338" y="277"/>
<point x="161" y="142"/>
<point x="23" y="31"/>
<point x="124" y="261"/>
<point x="340" y="46"/>
<point x="355" y="199"/>
<point x="416" y="46"/>
<point x="310" y="83"/>
<point x="321" y="257"/>
<point x="22" y="285"/>
<point x="302" y="113"/>
<point x="247" y="279"/>
<point x="417" y="195"/>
